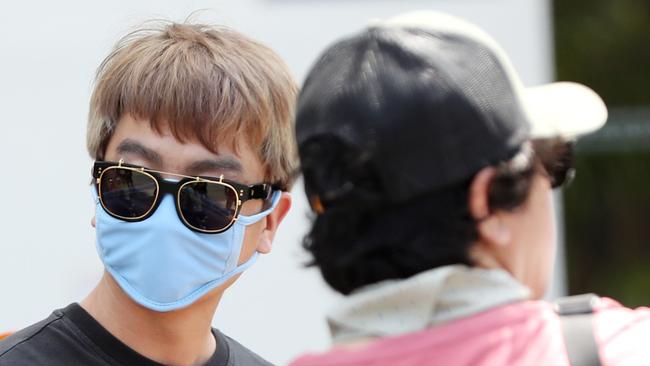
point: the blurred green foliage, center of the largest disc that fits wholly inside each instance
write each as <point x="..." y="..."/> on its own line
<point x="606" y="45"/>
<point x="608" y="226"/>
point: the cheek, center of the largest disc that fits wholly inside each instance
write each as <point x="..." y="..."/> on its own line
<point x="534" y="236"/>
<point x="251" y="208"/>
<point x="546" y="223"/>
<point x="550" y="232"/>
<point x="552" y="224"/>
<point x="543" y="253"/>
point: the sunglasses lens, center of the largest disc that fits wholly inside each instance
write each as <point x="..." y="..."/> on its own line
<point x="127" y="193"/>
<point x="208" y="206"/>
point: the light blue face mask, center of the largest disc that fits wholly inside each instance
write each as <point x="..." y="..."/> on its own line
<point x="163" y="265"/>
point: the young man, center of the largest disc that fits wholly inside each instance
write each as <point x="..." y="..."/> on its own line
<point x="191" y="130"/>
<point x="431" y="170"/>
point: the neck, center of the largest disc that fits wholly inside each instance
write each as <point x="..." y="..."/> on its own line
<point x="483" y="257"/>
<point x="181" y="337"/>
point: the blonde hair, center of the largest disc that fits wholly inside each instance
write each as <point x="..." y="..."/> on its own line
<point x="205" y="83"/>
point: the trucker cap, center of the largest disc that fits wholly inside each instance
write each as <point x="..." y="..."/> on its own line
<point x="426" y="100"/>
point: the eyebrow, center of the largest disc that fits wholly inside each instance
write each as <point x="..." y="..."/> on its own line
<point x="220" y="164"/>
<point x="225" y="163"/>
<point x="128" y="146"/>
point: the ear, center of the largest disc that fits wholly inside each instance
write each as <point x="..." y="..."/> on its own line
<point x="273" y="220"/>
<point x="479" y="192"/>
<point x="491" y="227"/>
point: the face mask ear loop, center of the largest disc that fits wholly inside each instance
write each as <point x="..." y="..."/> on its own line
<point x="248" y="220"/>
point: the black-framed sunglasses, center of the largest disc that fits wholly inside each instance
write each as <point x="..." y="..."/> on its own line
<point x="557" y="156"/>
<point x="204" y="204"/>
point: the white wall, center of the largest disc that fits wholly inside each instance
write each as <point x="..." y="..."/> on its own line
<point x="49" y="51"/>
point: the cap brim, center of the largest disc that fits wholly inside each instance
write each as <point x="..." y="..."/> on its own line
<point x="563" y="109"/>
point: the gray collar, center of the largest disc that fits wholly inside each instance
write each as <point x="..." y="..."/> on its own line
<point x="429" y="298"/>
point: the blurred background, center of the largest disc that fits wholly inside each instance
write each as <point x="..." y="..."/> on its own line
<point x="606" y="44"/>
<point x="49" y="53"/>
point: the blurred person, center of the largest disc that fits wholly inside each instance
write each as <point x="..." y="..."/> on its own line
<point x="191" y="130"/>
<point x="431" y="171"/>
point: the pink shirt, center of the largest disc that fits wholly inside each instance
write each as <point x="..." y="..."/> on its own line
<point x="523" y="333"/>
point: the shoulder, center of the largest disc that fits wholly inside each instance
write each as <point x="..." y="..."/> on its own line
<point x="523" y="333"/>
<point x="610" y="313"/>
<point x="23" y="346"/>
<point x="622" y="333"/>
<point x="240" y="355"/>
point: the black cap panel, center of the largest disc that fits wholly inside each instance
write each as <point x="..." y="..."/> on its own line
<point x="427" y="109"/>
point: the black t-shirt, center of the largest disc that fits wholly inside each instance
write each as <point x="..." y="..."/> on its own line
<point x="70" y="336"/>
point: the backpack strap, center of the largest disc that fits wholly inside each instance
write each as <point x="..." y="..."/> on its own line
<point x="576" y="316"/>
